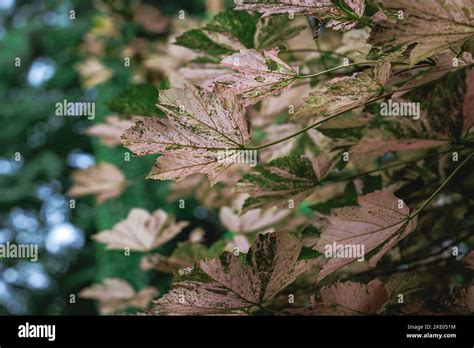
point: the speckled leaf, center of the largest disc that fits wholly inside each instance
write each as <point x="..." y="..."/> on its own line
<point x="379" y="220"/>
<point x="228" y="32"/>
<point x="230" y="284"/>
<point x="325" y="10"/>
<point x="199" y="127"/>
<point x="259" y="74"/>
<point x="454" y="25"/>
<point x="103" y="180"/>
<point x="115" y="294"/>
<point x="348" y="298"/>
<point x="343" y="93"/>
<point x="276" y="183"/>
<point x="141" y="231"/>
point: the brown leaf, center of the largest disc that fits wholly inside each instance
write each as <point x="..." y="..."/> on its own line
<point x="141" y="231"/>
<point x="380" y="219"/>
<point x="103" y="180"/>
<point x="110" y="131"/>
<point x="201" y="125"/>
<point x="230" y="284"/>
<point x="115" y="294"/>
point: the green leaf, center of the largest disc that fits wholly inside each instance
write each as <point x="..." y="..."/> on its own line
<point x="196" y="39"/>
<point x="350" y="194"/>
<point x="371" y="183"/>
<point x="136" y="100"/>
<point x="308" y="254"/>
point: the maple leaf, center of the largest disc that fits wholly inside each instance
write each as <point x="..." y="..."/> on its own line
<point x="351" y="298"/>
<point x="325" y="10"/>
<point x="252" y="220"/>
<point x="348" y="298"/>
<point x="278" y="183"/>
<point x="380" y="219"/>
<point x="200" y="126"/>
<point x="454" y="25"/>
<point x="110" y="131"/>
<point x="103" y="180"/>
<point x="230" y="284"/>
<point x="115" y="294"/>
<point x="343" y="93"/>
<point x="374" y="147"/>
<point x="260" y="74"/>
<point x="141" y="231"/>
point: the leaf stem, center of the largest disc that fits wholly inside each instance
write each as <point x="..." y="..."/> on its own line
<point x="443" y="185"/>
<point x="370" y="62"/>
<point x="316" y="123"/>
<point x="316" y="50"/>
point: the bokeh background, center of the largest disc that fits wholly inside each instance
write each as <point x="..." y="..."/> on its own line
<point x="39" y="150"/>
